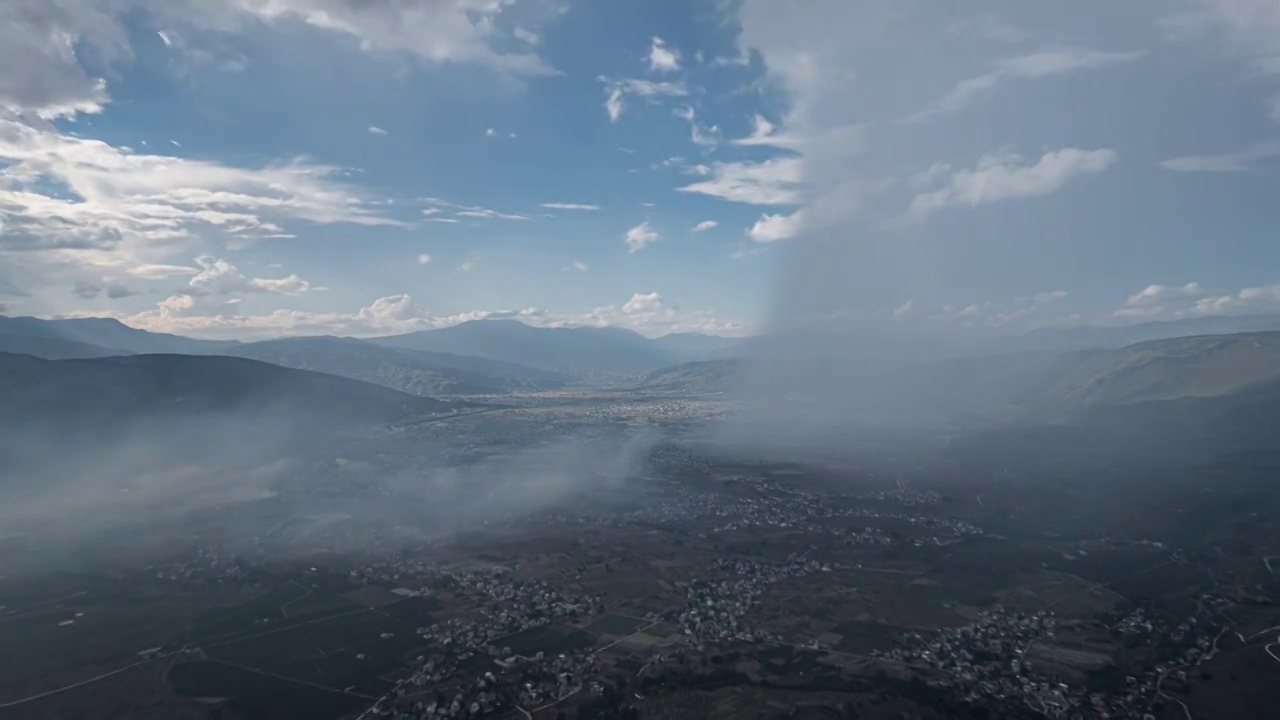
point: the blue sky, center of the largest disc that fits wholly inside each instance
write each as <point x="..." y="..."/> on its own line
<point x="252" y="168"/>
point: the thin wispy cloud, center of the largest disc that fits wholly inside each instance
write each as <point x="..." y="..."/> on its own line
<point x="1037" y="65"/>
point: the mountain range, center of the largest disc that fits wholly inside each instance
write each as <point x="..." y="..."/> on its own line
<point x="1027" y="387"/>
<point x="98" y="417"/>
<point x="479" y="357"/>
<point x="501" y="356"/>
<point x="106" y="336"/>
<point x="581" y="351"/>
<point x="417" y="372"/>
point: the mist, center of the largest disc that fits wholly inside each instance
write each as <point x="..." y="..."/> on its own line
<point x="275" y="478"/>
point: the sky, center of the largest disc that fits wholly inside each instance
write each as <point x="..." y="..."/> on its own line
<point x="257" y="168"/>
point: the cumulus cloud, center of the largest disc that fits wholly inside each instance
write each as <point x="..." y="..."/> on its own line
<point x="662" y="57"/>
<point x="1042" y="64"/>
<point x="644" y="303"/>
<point x="705" y="225"/>
<point x="648" y="313"/>
<point x="220" y="277"/>
<point x="579" y="266"/>
<point x="640" y="236"/>
<point x="1171" y="302"/>
<point x="1005" y="177"/>
<point x="1154" y="294"/>
<point x="424" y="259"/>
<point x="771" y="228"/>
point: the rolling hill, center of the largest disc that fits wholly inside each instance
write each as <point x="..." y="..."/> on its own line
<point x="415" y="372"/>
<point x="169" y="425"/>
<point x="702" y="377"/>
<point x="1199" y="366"/>
<point x="1088" y="336"/>
<point x="693" y="346"/>
<point x="107" y="333"/>
<point x="51" y="348"/>
<point x="109" y="392"/>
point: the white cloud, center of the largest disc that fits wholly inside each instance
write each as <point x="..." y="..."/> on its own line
<point x="614" y="104"/>
<point x="904" y="309"/>
<point x="640" y="236"/>
<point x="290" y="285"/>
<point x="375" y="130"/>
<point x="438" y="31"/>
<point x="1155" y="294"/>
<point x="568" y="206"/>
<point x="705" y="225"/>
<point x="579" y="266"/>
<point x="771" y="228"/>
<point x="1004" y="177"/>
<point x="153" y="271"/>
<point x="87" y="202"/>
<point x="436" y="206"/>
<point x="42" y="41"/>
<point x="663" y="58"/>
<point x="770" y="182"/>
<point x="487" y="213"/>
<point x="424" y="259"/>
<point x="1241" y="161"/>
<point x="39" y="69"/>
<point x="647" y="313"/>
<point x="617" y="91"/>
<point x="1025" y="311"/>
<point x="490" y="132"/>
<point x="528" y="36"/>
<point x="1251" y="28"/>
<point x="766" y="133"/>
<point x="1171" y="302"/>
<point x="645" y="303"/>
<point x="220" y="277"/>
<point x="1045" y="63"/>
<point x="467" y="266"/>
<point x="704" y="136"/>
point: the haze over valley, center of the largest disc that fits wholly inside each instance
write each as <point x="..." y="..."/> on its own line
<point x="639" y="360"/>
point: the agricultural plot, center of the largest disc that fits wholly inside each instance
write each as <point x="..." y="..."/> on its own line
<point x="260" y="697"/>
<point x="615" y="625"/>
